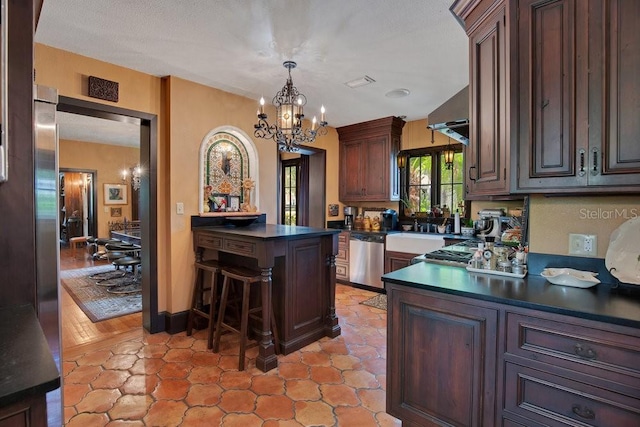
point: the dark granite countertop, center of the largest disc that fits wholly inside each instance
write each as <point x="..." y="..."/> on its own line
<point x="26" y="365"/>
<point x="600" y="303"/>
<point x="270" y="231"/>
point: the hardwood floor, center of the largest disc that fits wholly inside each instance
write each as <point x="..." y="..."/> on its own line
<point x="78" y="332"/>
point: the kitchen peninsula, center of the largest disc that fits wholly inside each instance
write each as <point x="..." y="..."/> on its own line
<point x="474" y="349"/>
<point x="299" y="277"/>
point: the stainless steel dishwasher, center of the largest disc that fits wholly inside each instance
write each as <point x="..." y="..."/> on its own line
<point x="366" y="259"/>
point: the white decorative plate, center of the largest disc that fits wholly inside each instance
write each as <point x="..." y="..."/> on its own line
<point x="570" y="277"/>
<point x="623" y="253"/>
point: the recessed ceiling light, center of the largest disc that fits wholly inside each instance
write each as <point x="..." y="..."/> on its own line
<point x="362" y="81"/>
<point x="397" y="93"/>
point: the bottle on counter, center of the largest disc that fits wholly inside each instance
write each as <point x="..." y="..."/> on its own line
<point x="456" y="223"/>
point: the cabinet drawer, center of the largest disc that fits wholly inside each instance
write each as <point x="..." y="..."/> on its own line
<point x="239" y="247"/>
<point x="554" y="400"/>
<point x="342" y="271"/>
<point x="342" y="254"/>
<point x="611" y="355"/>
<point x="343" y="238"/>
<point x="210" y="242"/>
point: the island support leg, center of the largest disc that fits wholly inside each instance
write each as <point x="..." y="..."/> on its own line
<point x="266" y="359"/>
<point x="332" y="327"/>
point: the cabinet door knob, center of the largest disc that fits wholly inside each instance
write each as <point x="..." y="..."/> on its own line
<point x="586" y="353"/>
<point x="585" y="412"/>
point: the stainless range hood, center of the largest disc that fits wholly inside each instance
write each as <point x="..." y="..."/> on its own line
<point x="452" y="117"/>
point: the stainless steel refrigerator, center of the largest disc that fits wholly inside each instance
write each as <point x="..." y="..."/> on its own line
<point x="47" y="227"/>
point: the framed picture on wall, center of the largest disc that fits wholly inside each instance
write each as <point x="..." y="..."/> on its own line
<point x="115" y="194"/>
<point x="115" y="212"/>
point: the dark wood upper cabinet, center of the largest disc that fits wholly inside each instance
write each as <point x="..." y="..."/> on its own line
<point x="554" y="88"/>
<point x="614" y="93"/>
<point x="552" y="93"/>
<point x="577" y="128"/>
<point x="487" y="156"/>
<point x="368" y="160"/>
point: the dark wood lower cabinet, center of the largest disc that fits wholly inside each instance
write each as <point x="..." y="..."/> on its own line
<point x="396" y="260"/>
<point x="459" y="361"/>
<point x="29" y="412"/>
<point x="441" y="360"/>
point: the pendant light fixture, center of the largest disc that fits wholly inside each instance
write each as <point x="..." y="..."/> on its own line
<point x="448" y="155"/>
<point x="288" y="132"/>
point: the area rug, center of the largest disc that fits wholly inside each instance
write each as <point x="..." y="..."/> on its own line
<point x="379" y="301"/>
<point x="95" y="300"/>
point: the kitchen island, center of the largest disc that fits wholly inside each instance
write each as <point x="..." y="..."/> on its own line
<point x="298" y="277"/>
<point x="474" y="349"/>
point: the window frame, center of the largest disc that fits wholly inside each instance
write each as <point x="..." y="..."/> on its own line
<point x="436" y="153"/>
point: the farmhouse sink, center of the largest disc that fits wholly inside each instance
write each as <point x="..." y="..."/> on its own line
<point x="414" y="243"/>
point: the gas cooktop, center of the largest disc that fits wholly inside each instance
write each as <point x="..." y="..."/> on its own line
<point x="457" y="255"/>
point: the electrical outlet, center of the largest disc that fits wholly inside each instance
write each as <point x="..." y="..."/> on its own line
<point x="180" y="208"/>
<point x="583" y="245"/>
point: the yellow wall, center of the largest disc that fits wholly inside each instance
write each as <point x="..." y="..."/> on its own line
<point x="186" y="113"/>
<point x="416" y="135"/>
<point x="69" y="73"/>
<point x="553" y="218"/>
<point x="108" y="161"/>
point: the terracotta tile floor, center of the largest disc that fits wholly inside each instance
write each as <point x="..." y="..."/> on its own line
<point x="173" y="380"/>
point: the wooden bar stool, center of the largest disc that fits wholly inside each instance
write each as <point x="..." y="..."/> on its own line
<point x="247" y="277"/>
<point x="198" y="306"/>
<point x="77" y="243"/>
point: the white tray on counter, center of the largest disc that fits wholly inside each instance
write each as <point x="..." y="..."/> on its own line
<point x="497" y="273"/>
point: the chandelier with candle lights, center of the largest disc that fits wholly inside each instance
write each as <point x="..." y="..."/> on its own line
<point x="288" y="132"/>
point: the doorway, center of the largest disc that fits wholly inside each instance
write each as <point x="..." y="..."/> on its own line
<point x="77" y="201"/>
<point x="147" y="124"/>
<point x="302" y="187"/>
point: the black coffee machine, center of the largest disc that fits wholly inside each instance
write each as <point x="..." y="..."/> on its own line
<point x="389" y="220"/>
<point x="350" y="212"/>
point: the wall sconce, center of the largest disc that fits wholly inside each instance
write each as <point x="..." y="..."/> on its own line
<point x="136" y="173"/>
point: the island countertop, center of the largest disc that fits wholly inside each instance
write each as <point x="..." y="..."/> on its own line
<point x="601" y="303"/>
<point x="298" y="278"/>
<point x="269" y="231"/>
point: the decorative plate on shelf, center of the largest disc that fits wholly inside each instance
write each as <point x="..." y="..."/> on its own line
<point x="623" y="254"/>
<point x="570" y="277"/>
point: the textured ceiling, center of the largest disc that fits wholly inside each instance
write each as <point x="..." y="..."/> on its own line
<point x="239" y="47"/>
<point x="92" y="129"/>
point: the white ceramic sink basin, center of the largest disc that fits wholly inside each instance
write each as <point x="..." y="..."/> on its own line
<point x="414" y="243"/>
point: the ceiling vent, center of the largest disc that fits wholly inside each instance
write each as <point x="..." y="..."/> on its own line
<point x="362" y="81"/>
